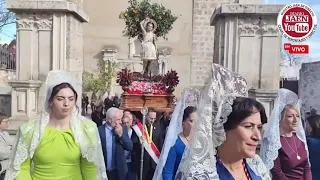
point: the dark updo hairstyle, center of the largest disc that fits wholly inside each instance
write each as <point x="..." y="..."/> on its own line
<point x="241" y="109"/>
<point x="187" y="111"/>
<point x="314" y="122"/>
<point x="57" y="88"/>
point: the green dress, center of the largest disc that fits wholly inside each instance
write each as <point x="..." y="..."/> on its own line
<point x="57" y="157"/>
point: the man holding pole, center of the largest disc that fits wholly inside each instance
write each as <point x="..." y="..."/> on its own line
<point x="152" y="136"/>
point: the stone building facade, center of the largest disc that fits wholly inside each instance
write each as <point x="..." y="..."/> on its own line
<point x="203" y="40"/>
<point x="191" y="38"/>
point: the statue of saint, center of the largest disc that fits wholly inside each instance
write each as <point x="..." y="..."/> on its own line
<point x="149" y="46"/>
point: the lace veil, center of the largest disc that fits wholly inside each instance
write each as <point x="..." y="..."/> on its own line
<point x="85" y="132"/>
<point x="271" y="138"/>
<point x="190" y="97"/>
<point x="199" y="161"/>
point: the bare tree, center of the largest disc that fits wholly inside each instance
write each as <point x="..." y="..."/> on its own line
<point x="6" y="17"/>
<point x="295" y="59"/>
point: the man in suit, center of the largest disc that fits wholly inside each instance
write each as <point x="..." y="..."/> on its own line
<point x="154" y="131"/>
<point x="131" y="156"/>
<point x="114" y="141"/>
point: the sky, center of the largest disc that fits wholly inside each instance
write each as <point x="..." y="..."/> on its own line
<point x="314" y="41"/>
<point x="8" y="32"/>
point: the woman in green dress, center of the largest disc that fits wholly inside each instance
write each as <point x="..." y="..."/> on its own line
<point x="62" y="144"/>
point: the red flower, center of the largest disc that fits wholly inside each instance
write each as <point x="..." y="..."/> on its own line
<point x="124" y="77"/>
<point x="171" y="79"/>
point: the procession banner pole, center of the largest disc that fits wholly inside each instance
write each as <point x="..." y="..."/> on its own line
<point x="144" y="112"/>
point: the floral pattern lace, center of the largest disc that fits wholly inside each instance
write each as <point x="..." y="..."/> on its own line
<point x="85" y="132"/>
<point x="199" y="161"/>
<point x="190" y="97"/>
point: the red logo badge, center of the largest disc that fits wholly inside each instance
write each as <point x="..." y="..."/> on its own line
<point x="297" y="22"/>
<point x="296" y="48"/>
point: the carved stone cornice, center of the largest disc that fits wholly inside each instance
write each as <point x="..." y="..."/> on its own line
<point x="25" y="21"/>
<point x="74" y="7"/>
<point x="30" y="21"/>
<point x="257" y="25"/>
<point x="44" y="21"/>
<point x="77" y="2"/>
<point x="109" y="54"/>
<point x="248" y="25"/>
<point x="245" y="9"/>
<point x="269" y="26"/>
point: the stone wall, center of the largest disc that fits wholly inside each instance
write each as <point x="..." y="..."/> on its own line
<point x="74" y="48"/>
<point x="309" y="85"/>
<point x="203" y="40"/>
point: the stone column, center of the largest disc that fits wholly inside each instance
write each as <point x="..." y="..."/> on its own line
<point x="132" y="48"/>
<point x="109" y="57"/>
<point x="247" y="41"/>
<point x="49" y="37"/>
<point x="309" y="85"/>
<point x="164" y="56"/>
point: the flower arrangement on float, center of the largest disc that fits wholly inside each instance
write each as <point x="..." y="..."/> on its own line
<point x="171" y="80"/>
<point x="124" y="79"/>
<point x="137" y="83"/>
<point x="138" y="11"/>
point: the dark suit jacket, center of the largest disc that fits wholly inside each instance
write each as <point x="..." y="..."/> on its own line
<point x="97" y="118"/>
<point x="120" y="144"/>
<point x="158" y="139"/>
<point x="136" y="152"/>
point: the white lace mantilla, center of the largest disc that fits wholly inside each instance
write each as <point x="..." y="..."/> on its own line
<point x="199" y="161"/>
<point x="190" y="97"/>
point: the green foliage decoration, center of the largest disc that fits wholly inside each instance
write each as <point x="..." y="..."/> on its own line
<point x="137" y="11"/>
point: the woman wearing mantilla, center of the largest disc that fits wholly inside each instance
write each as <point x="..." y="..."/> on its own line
<point x="62" y="144"/>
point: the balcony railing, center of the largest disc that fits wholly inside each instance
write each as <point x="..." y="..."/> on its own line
<point x="7" y="57"/>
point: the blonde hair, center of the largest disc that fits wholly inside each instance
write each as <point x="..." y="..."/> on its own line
<point x="286" y="108"/>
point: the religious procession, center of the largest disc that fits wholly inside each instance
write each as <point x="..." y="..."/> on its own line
<point x="237" y="111"/>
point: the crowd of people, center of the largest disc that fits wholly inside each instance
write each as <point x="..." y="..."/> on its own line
<point x="210" y="135"/>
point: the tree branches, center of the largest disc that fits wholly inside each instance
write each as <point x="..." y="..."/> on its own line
<point x="100" y="81"/>
<point x="295" y="59"/>
<point x="6" y="17"/>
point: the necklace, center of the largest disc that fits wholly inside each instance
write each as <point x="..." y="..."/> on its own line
<point x="244" y="173"/>
<point x="294" y="140"/>
<point x="185" y="137"/>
